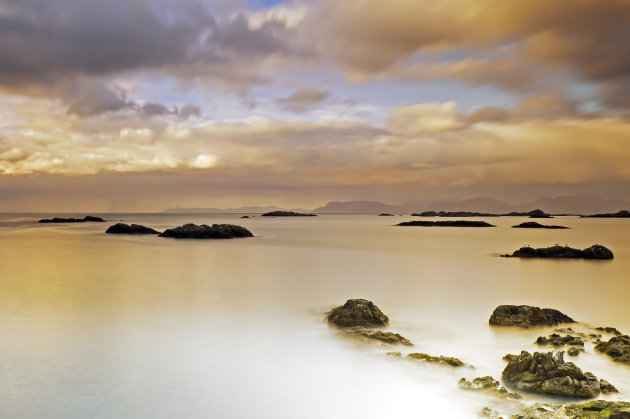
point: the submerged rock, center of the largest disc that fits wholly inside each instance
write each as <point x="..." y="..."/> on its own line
<point x="559" y="341"/>
<point x="596" y="251"/>
<point x="618" y="348"/>
<point x="287" y="214"/>
<point x="457" y="223"/>
<point x="361" y="332"/>
<point x="548" y="373"/>
<point x="489" y="385"/>
<point x="357" y="312"/>
<point x="488" y="413"/>
<point x="597" y="409"/>
<point x="450" y="360"/>
<point x="217" y="231"/>
<point x="534" y="224"/>
<point x="607" y="329"/>
<point x="87" y="218"/>
<point x="527" y="316"/>
<point x="122" y="228"/>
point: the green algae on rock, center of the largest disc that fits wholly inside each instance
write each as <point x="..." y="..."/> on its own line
<point x="449" y="360"/>
<point x="360" y="332"/>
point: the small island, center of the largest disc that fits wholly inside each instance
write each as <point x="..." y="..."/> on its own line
<point x="457" y="223"/>
<point x="596" y="251"/>
<point x="537" y="213"/>
<point x="385" y="215"/>
<point x="453" y="214"/>
<point x="620" y="214"/>
<point x="217" y="231"/>
<point x="287" y="214"/>
<point x="87" y="218"/>
<point x="534" y="224"/>
<point x="122" y="228"/>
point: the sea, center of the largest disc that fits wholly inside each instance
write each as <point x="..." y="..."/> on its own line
<point x="94" y="325"/>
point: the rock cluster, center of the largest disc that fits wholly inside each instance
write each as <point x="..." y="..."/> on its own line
<point x="217" y="231"/>
<point x="597" y="409"/>
<point x="549" y="373"/>
<point x="488" y="384"/>
<point x="618" y="348"/>
<point x="558" y="341"/>
<point x="527" y="316"/>
<point x="357" y="312"/>
<point x="87" y="218"/>
<point x="596" y="251"/>
<point x="457" y="223"/>
<point x="122" y="228"/>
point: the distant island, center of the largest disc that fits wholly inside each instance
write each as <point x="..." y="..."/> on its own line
<point x="288" y="214"/>
<point x="620" y="214"/>
<point x="533" y="224"/>
<point x="87" y="218"/>
<point x="458" y="223"/>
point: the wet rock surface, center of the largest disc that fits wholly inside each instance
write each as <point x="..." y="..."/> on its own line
<point x="618" y="348"/>
<point x="457" y="223"/>
<point x="596" y="251"/>
<point x="360" y="332"/>
<point x="87" y="218"/>
<point x="488" y="384"/>
<point x="122" y="228"/>
<point x="560" y="341"/>
<point x="534" y="224"/>
<point x="548" y="373"/>
<point x="597" y="409"/>
<point x="203" y="231"/>
<point x="358" y="312"/>
<point x="527" y="316"/>
<point x="287" y="214"/>
<point x="448" y="360"/>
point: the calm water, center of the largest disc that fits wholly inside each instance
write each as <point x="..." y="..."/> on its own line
<point x="101" y="326"/>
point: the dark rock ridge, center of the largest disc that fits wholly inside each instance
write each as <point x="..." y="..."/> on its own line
<point x="597" y="409"/>
<point x="458" y="223"/>
<point x="596" y="251"/>
<point x="361" y="332"/>
<point x="287" y="214"/>
<point x="122" y="228"/>
<point x="620" y="214"/>
<point x="386" y="215"/>
<point x="534" y="224"/>
<point x="449" y="360"/>
<point x="357" y="312"/>
<point x="488" y="384"/>
<point x="527" y="316"/>
<point x="618" y="348"/>
<point x="453" y="214"/>
<point x="217" y="231"/>
<point x="537" y="213"/>
<point x="245" y="216"/>
<point x="548" y="373"/>
<point x="87" y="218"/>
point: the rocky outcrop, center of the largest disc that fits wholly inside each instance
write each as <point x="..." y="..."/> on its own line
<point x="597" y="409"/>
<point x="457" y="223"/>
<point x="361" y="333"/>
<point x="449" y="360"/>
<point x="122" y="228"/>
<point x="534" y="224"/>
<point x="609" y="329"/>
<point x="357" y="312"/>
<point x="527" y="316"/>
<point x="489" y="385"/>
<point x="287" y="214"/>
<point x="620" y="214"/>
<point x="87" y="218"/>
<point x="548" y="373"/>
<point x="596" y="251"/>
<point x="217" y="231"/>
<point x="618" y="348"/>
<point x="560" y="341"/>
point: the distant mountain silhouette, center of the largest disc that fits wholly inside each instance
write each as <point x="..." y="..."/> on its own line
<point x="240" y="210"/>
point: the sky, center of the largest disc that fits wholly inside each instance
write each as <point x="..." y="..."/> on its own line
<point x="141" y="105"/>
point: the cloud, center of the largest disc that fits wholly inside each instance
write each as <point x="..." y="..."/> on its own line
<point x="303" y="98"/>
<point x="425" y="118"/>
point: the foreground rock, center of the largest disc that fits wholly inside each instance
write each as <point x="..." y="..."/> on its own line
<point x="357" y="312"/>
<point x="618" y="348"/>
<point x="596" y="251"/>
<point x="449" y="360"/>
<point x="534" y="224"/>
<point x="287" y="214"/>
<point x="458" y="223"/>
<point x="489" y="385"/>
<point x="360" y="332"/>
<point x="217" y="231"/>
<point x="122" y="228"/>
<point x="620" y="214"/>
<point x="87" y="218"/>
<point x="597" y="409"/>
<point x="527" y="316"/>
<point x="548" y="373"/>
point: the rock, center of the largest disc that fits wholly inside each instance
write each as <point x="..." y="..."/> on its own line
<point x="620" y="214"/>
<point x="534" y="224"/>
<point x="217" y="231"/>
<point x="450" y="360"/>
<point x="394" y="354"/>
<point x="122" y="228"/>
<point x="574" y="351"/>
<point x="245" y="216"/>
<point x="563" y="252"/>
<point x="357" y="312"/>
<point x="385" y="337"/>
<point x="558" y="341"/>
<point x="548" y="373"/>
<point x="489" y="385"/>
<point x="458" y="223"/>
<point x="287" y="214"/>
<point x="488" y="413"/>
<point x="618" y="348"/>
<point x="592" y="410"/>
<point x="612" y="330"/>
<point x="527" y="316"/>
<point x="606" y="387"/>
<point x="386" y="215"/>
<point x="87" y="218"/>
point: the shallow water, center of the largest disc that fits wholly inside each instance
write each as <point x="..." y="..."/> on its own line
<point x="103" y="326"/>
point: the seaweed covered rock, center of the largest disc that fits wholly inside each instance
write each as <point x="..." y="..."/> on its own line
<point x="87" y="218"/>
<point x="122" y="228"/>
<point x="618" y="348"/>
<point x="360" y="332"/>
<point x="358" y="312"/>
<point x="456" y="223"/>
<point x="596" y="409"/>
<point x="527" y="316"/>
<point x="217" y="231"/>
<point x="596" y="251"/>
<point x="488" y="384"/>
<point x="534" y="224"/>
<point x="548" y="373"/>
<point x="449" y="360"/>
